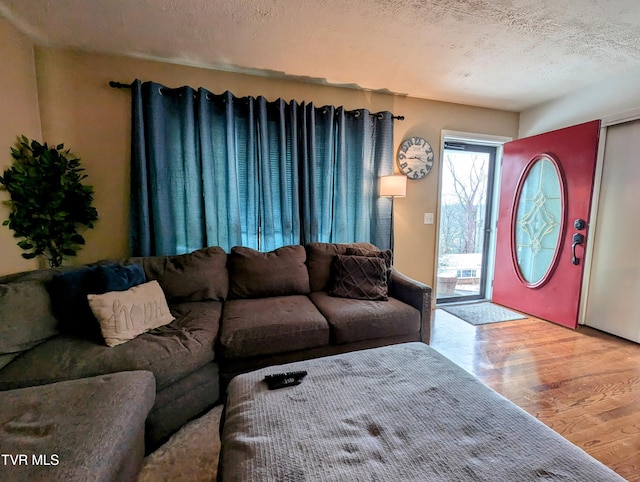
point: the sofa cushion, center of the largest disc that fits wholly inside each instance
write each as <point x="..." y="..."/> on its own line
<point x="359" y="277"/>
<point x="281" y="272"/>
<point x="26" y="319"/>
<point x="354" y="320"/>
<point x="7" y="358"/>
<point x="123" y="315"/>
<point x="180" y="402"/>
<point x="89" y="429"/>
<point x="320" y="258"/>
<point x="197" y="276"/>
<point x="265" y="326"/>
<point x="171" y="352"/>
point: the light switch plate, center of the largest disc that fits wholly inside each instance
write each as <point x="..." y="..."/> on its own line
<point x="428" y="218"/>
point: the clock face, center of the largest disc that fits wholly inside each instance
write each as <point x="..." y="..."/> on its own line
<point x="415" y="157"/>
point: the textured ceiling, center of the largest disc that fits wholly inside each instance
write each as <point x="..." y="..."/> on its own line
<point x="507" y="54"/>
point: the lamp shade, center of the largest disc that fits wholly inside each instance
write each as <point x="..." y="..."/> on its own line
<point x="394" y="186"/>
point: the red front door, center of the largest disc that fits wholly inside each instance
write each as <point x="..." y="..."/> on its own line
<point x="545" y="200"/>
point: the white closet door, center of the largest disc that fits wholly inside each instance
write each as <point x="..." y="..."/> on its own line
<point x="613" y="301"/>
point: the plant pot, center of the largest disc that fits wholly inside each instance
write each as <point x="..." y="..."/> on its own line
<point x="447" y="285"/>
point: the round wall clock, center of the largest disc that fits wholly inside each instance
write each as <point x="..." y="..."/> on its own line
<point x="415" y="157"/>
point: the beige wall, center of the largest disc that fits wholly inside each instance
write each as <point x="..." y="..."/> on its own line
<point x="415" y="242"/>
<point x="18" y="115"/>
<point x="80" y="109"/>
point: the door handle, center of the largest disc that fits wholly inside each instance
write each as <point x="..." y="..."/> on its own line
<point x="577" y="239"/>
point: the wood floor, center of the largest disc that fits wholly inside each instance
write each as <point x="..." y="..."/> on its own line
<point x="584" y="384"/>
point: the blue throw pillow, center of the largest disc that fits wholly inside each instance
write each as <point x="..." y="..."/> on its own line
<point x="117" y="277"/>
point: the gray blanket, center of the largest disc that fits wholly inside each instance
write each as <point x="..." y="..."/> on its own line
<point x="396" y="413"/>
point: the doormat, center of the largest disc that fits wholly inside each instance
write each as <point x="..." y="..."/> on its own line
<point x="482" y="313"/>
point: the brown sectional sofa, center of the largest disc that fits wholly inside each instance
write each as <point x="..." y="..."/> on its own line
<point x="233" y="313"/>
<point x="279" y="309"/>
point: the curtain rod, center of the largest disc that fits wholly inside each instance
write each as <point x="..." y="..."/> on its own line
<point x="120" y="85"/>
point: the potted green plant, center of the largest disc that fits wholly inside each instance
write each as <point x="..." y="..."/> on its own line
<point x="49" y="202"/>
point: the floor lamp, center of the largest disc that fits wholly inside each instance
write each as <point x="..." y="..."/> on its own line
<point x="393" y="187"/>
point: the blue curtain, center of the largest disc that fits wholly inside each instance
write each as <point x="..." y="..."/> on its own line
<point x="217" y="170"/>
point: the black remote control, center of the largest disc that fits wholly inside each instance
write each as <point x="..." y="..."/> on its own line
<point x="287" y="379"/>
<point x="285" y="382"/>
<point x="282" y="376"/>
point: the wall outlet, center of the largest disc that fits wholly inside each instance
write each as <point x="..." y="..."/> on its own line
<point x="428" y="218"/>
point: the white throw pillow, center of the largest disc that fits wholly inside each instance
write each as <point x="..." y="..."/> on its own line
<point x="123" y="315"/>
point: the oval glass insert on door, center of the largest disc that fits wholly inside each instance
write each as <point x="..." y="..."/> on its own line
<point x="539" y="215"/>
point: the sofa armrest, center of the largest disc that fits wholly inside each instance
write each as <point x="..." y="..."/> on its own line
<point x="416" y="294"/>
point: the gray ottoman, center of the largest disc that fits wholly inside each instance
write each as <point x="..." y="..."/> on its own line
<point x="402" y="412"/>
<point x="90" y="429"/>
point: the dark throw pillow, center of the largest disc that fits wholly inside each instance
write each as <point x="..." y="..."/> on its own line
<point x="386" y="255"/>
<point x="117" y="277"/>
<point x="359" y="277"/>
<point x="69" y="302"/>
